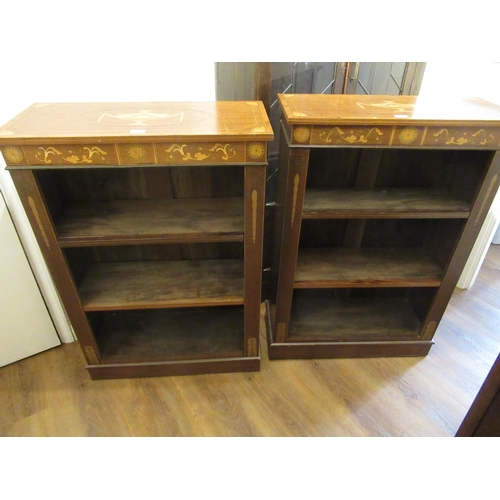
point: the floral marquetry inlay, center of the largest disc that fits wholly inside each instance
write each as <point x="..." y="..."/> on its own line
<point x="87" y="156"/>
<point x="69" y="155"/>
<point x="44" y="154"/>
<point x="141" y="117"/>
<point x="301" y="134"/>
<point x="13" y="154"/>
<point x="408" y="135"/>
<point x="136" y="152"/>
<point x="461" y="137"/>
<point x="256" y="150"/>
<point x="338" y="135"/>
<point x="388" y="104"/>
<point x="201" y="152"/>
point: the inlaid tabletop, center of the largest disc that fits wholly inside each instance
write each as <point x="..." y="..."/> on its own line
<point x="218" y="120"/>
<point x="316" y="109"/>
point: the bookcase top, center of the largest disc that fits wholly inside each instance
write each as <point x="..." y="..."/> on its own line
<point x="121" y="122"/>
<point x="338" y="109"/>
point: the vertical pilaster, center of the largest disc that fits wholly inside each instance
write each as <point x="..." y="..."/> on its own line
<point x="296" y="165"/>
<point x="255" y="187"/>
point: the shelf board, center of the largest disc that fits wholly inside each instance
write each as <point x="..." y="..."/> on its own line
<point x="386" y="203"/>
<point x="162" y="284"/>
<point x="365" y="267"/>
<point x="128" y="222"/>
<point x="170" y="334"/>
<point x="344" y="320"/>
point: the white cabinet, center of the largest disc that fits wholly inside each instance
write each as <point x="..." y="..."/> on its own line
<point x="25" y="324"/>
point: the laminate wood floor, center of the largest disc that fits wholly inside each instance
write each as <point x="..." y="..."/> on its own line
<point x="51" y="394"/>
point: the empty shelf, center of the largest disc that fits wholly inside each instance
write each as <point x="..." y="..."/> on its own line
<point x="365" y="267"/>
<point x="386" y="203"/>
<point x="159" y="284"/>
<point x="353" y="319"/>
<point x="170" y="334"/>
<point x="151" y="221"/>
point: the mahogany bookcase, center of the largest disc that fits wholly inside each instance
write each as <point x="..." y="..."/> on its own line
<point x="150" y="219"/>
<point x="379" y="202"/>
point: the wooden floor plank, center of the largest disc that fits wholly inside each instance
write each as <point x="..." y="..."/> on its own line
<point x="51" y="394"/>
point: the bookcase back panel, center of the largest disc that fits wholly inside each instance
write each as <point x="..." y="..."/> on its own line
<point x="367" y="293"/>
<point x="358" y="168"/>
<point x="381" y="233"/>
<point x="442" y="238"/>
<point x="141" y="183"/>
<point x="333" y="168"/>
<point x="170" y="334"/>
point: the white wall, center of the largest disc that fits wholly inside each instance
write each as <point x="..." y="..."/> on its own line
<point x="98" y="51"/>
<point x="462" y="79"/>
<point x="55" y="51"/>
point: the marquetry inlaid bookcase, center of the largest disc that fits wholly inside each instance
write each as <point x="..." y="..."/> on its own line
<point x="379" y="202"/>
<point x="150" y="219"/>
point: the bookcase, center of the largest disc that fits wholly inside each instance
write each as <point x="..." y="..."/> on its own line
<point x="379" y="202"/>
<point x="150" y="219"/>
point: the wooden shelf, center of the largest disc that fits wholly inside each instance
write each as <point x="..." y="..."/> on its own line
<point x="385" y="203"/>
<point x="365" y="267"/>
<point x="170" y="334"/>
<point x="162" y="284"/>
<point x="337" y="320"/>
<point x="151" y="221"/>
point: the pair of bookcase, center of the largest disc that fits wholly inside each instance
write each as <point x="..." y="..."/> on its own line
<point x="150" y="218"/>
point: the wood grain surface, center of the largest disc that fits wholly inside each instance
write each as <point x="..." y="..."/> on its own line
<point x="381" y="203"/>
<point x="353" y="319"/>
<point x="365" y="267"/>
<point x="51" y="394"/>
<point x="371" y="109"/>
<point x="139" y="336"/>
<point x="79" y="122"/>
<point x="178" y="283"/>
<point x="150" y="221"/>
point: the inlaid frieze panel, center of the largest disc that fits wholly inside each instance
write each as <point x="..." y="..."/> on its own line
<point x="136" y="153"/>
<point x="400" y="136"/>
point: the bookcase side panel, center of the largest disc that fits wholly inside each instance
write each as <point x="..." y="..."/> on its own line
<point x="293" y="202"/>
<point x="41" y="224"/>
